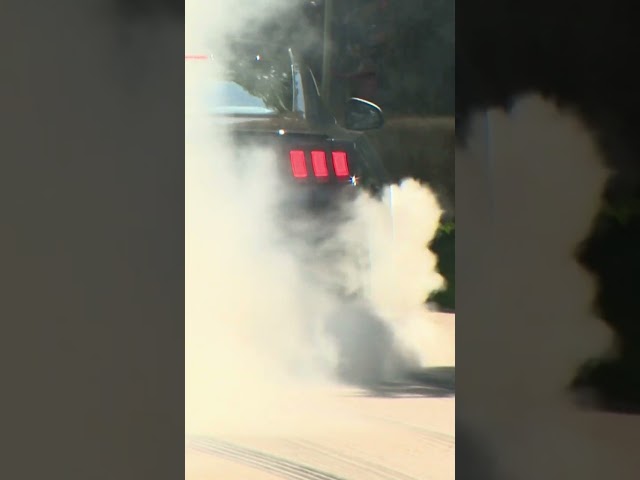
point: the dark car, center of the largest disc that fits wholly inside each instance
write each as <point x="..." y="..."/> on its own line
<point x="268" y="97"/>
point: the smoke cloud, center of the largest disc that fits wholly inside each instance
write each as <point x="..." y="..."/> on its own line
<point x="267" y="314"/>
<point x="526" y="205"/>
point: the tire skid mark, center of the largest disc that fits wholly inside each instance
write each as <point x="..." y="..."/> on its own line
<point x="381" y="471"/>
<point x="444" y="440"/>
<point x="259" y="460"/>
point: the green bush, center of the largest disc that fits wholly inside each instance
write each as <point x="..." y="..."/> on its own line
<point x="424" y="148"/>
<point x="444" y="246"/>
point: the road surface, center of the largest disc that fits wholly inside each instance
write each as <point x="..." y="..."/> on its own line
<point x="398" y="431"/>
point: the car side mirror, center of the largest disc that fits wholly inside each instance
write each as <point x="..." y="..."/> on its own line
<point x="362" y="115"/>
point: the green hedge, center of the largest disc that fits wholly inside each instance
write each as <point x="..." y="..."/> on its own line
<point x="444" y="246"/>
<point x="424" y="148"/>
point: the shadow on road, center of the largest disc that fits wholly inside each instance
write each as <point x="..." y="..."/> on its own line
<point x="436" y="382"/>
<point x="370" y="358"/>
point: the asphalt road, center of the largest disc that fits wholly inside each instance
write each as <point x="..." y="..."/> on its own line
<point x="395" y="431"/>
<point x="354" y="435"/>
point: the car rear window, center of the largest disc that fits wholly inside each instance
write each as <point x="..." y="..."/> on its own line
<point x="254" y="82"/>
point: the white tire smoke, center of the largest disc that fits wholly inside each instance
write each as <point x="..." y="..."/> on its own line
<point x="257" y="323"/>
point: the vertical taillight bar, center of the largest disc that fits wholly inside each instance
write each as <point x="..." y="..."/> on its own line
<point x="298" y="163"/>
<point x="319" y="164"/>
<point x="340" y="164"/>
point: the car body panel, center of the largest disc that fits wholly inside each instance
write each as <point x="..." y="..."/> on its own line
<point x="306" y="124"/>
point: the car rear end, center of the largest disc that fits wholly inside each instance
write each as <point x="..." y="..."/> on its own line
<point x="319" y="173"/>
<point x="266" y="100"/>
<point x="319" y="166"/>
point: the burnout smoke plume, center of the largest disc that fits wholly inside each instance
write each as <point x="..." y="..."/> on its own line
<point x="526" y="205"/>
<point x="258" y="323"/>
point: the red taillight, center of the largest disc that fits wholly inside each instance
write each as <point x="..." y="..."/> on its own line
<point x="319" y="163"/>
<point x="340" y="164"/>
<point x="298" y="163"/>
<point x="196" y="57"/>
